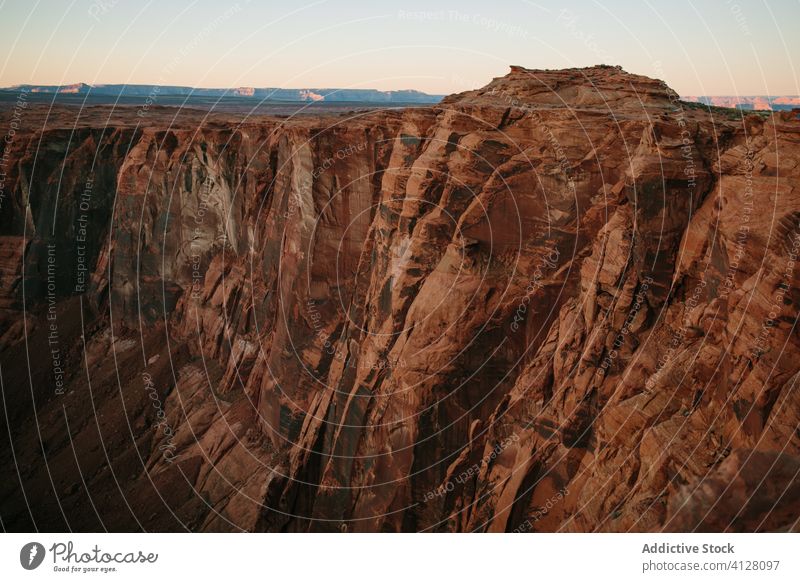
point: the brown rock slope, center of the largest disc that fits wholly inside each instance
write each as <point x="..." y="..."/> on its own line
<point x="565" y="301"/>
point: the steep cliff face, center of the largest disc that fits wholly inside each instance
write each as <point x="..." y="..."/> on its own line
<point x="564" y="301"/>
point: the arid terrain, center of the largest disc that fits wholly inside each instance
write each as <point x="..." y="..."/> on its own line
<point x="566" y="301"/>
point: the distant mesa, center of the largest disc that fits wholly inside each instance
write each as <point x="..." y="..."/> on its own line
<point x="749" y="102"/>
<point x="311" y="95"/>
<point x="264" y="93"/>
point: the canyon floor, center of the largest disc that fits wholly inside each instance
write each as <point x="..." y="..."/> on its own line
<point x="565" y="301"/>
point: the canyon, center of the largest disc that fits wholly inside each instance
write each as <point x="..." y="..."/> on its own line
<point x="564" y="301"/>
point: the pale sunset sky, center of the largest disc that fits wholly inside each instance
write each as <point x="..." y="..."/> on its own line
<point x="700" y="47"/>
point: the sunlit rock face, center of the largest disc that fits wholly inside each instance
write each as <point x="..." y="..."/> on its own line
<point x="566" y="301"/>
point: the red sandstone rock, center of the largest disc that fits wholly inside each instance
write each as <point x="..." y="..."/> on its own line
<point x="566" y="301"/>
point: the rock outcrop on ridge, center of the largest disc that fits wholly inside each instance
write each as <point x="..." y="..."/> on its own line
<point x="566" y="301"/>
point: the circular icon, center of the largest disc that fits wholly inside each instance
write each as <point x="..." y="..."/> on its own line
<point x="31" y="555"/>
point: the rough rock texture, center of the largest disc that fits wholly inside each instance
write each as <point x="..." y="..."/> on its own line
<point x="566" y="301"/>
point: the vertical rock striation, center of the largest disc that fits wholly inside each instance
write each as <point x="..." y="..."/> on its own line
<point x="565" y="301"/>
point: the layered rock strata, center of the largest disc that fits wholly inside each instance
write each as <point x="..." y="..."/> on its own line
<point x="566" y="301"/>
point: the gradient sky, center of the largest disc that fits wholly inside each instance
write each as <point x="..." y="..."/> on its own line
<point x="700" y="47"/>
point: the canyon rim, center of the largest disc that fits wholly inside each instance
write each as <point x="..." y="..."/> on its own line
<point x="565" y="301"/>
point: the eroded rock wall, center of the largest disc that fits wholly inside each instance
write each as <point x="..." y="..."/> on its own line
<point x="566" y="301"/>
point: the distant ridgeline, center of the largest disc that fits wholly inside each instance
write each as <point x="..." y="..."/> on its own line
<point x="267" y="93"/>
<point x="751" y="102"/>
<point x="332" y="95"/>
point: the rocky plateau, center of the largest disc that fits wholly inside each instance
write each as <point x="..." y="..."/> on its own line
<point x="565" y="301"/>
